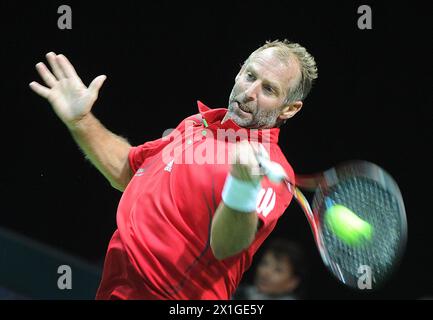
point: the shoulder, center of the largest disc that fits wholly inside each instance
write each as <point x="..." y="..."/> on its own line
<point x="244" y="292"/>
<point x="195" y="118"/>
<point x="189" y="121"/>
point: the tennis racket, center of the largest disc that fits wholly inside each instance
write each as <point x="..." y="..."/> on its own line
<point x="369" y="192"/>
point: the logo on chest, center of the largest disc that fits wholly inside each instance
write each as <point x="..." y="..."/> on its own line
<point x="169" y="166"/>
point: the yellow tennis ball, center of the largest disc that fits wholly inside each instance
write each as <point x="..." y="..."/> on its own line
<point x="346" y="225"/>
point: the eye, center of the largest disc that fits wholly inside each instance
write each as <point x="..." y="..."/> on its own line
<point x="269" y="89"/>
<point x="250" y="76"/>
<point x="279" y="270"/>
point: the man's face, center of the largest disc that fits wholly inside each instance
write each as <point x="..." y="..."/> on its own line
<point x="275" y="276"/>
<point x="260" y="89"/>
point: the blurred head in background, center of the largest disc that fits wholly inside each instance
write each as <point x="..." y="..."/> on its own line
<point x="281" y="270"/>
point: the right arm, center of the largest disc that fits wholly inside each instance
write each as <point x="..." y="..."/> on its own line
<point x="105" y="150"/>
<point x="72" y="101"/>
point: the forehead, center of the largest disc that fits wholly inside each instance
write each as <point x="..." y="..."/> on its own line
<point x="281" y="260"/>
<point x="272" y="67"/>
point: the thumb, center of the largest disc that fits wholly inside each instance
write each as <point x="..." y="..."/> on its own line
<point x="97" y="84"/>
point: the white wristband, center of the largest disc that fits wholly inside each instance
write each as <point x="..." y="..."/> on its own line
<point x="240" y="195"/>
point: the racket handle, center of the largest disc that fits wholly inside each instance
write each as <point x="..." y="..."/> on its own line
<point x="273" y="170"/>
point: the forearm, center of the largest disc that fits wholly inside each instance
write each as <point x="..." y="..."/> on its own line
<point x="105" y="150"/>
<point x="232" y="231"/>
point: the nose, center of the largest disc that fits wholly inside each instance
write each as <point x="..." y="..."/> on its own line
<point x="251" y="92"/>
<point x="265" y="272"/>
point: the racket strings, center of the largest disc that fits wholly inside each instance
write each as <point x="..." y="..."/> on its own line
<point x="372" y="203"/>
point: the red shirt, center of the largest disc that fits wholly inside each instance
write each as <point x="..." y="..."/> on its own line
<point x="161" y="249"/>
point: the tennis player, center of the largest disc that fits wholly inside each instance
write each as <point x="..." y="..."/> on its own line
<point x="189" y="226"/>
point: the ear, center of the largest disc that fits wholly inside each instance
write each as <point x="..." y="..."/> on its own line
<point x="290" y="110"/>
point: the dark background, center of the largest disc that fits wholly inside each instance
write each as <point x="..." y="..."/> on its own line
<point x="372" y="101"/>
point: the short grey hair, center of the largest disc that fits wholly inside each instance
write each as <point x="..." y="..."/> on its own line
<point x="286" y="50"/>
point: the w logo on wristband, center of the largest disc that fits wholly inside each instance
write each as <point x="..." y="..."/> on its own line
<point x="265" y="201"/>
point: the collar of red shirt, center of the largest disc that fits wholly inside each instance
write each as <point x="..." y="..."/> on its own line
<point x="214" y="117"/>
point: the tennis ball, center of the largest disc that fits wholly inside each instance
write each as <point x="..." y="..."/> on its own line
<point x="346" y="225"/>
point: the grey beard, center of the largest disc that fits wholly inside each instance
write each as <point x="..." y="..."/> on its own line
<point x="261" y="119"/>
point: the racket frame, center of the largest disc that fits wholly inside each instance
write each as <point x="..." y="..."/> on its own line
<point x="331" y="177"/>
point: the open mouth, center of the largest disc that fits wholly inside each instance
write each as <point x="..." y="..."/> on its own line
<point x="243" y="107"/>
